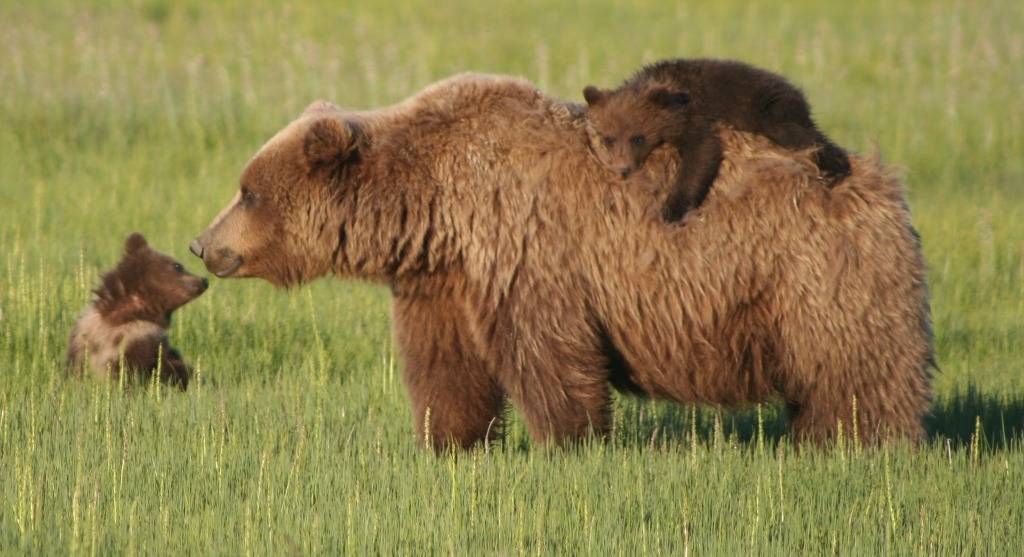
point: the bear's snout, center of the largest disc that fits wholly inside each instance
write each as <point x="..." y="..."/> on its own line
<point x="196" y="249"/>
<point x="222" y="262"/>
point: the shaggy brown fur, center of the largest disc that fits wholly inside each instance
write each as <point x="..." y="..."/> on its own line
<point x="520" y="268"/>
<point x="680" y="102"/>
<point x="130" y="317"/>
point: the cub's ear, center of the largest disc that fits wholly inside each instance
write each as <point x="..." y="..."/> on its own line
<point x="669" y="99"/>
<point x="331" y="140"/>
<point x="593" y="95"/>
<point x="134" y="243"/>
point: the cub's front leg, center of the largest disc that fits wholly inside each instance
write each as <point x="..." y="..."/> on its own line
<point x="698" y="167"/>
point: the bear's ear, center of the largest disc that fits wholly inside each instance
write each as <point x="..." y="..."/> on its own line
<point x="134" y="243"/>
<point x="320" y="106"/>
<point x="331" y="140"/>
<point x="593" y="95"/>
<point x="668" y="99"/>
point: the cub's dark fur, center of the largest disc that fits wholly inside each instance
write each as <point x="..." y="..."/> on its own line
<point x="679" y="102"/>
<point x="130" y="316"/>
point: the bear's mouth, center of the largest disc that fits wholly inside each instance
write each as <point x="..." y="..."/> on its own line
<point x="222" y="262"/>
<point x="233" y="265"/>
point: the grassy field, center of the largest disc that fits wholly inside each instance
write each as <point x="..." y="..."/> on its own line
<point x="297" y="438"/>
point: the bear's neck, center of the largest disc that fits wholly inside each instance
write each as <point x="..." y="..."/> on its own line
<point x="437" y="178"/>
<point x="389" y="220"/>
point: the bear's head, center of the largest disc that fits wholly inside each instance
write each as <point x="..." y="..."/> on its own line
<point x="147" y="283"/>
<point x="626" y="124"/>
<point x="275" y="227"/>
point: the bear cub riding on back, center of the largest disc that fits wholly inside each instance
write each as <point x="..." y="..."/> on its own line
<point x="679" y="102"/>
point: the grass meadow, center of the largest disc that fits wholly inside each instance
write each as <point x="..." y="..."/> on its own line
<point x="297" y="438"/>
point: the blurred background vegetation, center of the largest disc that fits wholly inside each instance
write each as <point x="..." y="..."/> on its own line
<point x="122" y="116"/>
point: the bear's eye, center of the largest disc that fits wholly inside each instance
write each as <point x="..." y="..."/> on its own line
<point x="608" y="141"/>
<point x="637" y="140"/>
<point x="248" y="197"/>
<point x="179" y="268"/>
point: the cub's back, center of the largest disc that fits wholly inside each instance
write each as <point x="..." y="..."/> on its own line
<point x="98" y="345"/>
<point x="728" y="91"/>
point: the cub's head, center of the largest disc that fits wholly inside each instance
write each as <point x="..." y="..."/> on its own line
<point x="275" y="228"/>
<point x="628" y="123"/>
<point x="149" y="280"/>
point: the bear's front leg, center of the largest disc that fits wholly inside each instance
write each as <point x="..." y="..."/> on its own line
<point x="559" y="385"/>
<point x="455" y="398"/>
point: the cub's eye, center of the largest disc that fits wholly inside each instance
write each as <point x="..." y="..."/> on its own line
<point x="608" y="141"/>
<point x="248" y="197"/>
<point x="679" y="99"/>
<point x="638" y="140"/>
<point x="179" y="268"/>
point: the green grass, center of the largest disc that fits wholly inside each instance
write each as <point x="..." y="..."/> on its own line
<point x="297" y="439"/>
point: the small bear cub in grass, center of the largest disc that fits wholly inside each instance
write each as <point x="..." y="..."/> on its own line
<point x="679" y="102"/>
<point x="130" y="316"/>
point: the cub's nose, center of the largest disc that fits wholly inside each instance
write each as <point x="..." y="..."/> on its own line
<point x="196" y="249"/>
<point x="624" y="171"/>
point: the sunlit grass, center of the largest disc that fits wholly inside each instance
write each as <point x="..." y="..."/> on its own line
<point x="297" y="438"/>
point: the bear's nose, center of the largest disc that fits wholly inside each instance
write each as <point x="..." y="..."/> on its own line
<point x="196" y="249"/>
<point x="624" y="171"/>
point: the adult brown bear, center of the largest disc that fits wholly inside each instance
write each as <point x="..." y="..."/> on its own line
<point x="521" y="268"/>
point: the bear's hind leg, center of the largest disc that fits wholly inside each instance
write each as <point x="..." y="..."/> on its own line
<point x="870" y="418"/>
<point x="832" y="161"/>
<point x="814" y="423"/>
<point x="787" y="123"/>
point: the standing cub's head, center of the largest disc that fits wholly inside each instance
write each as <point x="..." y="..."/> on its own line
<point x="626" y="124"/>
<point x="146" y="285"/>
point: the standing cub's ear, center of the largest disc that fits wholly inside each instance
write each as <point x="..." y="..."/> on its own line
<point x="668" y="99"/>
<point x="331" y="140"/>
<point x="134" y="243"/>
<point x="593" y="95"/>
